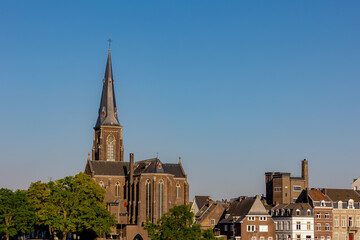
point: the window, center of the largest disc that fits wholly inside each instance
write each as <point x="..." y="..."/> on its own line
<point x="117" y="189"/>
<point x="110" y="156"/>
<point x="251" y="218"/>
<point x="350" y="221"/>
<point x="262" y="238"/>
<point x="336" y="221"/>
<point x="277" y="189"/>
<point x="340" y="204"/>
<point x="343" y="221"/>
<point x="322" y="238"/>
<point x="231" y="228"/>
<point x="322" y="203"/>
<point x="212" y="221"/>
<point x="161" y="198"/>
<point x="308" y="212"/>
<point x="270" y="238"/>
<point x="225" y="228"/>
<point x="318" y="226"/>
<point x="328" y="238"/>
<point x="297" y="212"/>
<point x="297" y="188"/>
<point x="357" y="221"/>
<point x="101" y="184"/>
<point x="343" y="236"/>
<point x="253" y="238"/>
<point x="298" y="237"/>
<point x="276" y="226"/>
<point x="351" y="204"/>
<point x="286" y="226"/>
<point x="289" y="226"/>
<point x="276" y="237"/>
<point x="148" y="199"/>
<point x="281" y="225"/>
<point x="177" y="191"/>
<point x="336" y="236"/>
<point x="294" y="200"/>
<point x="327" y="227"/>
<point x="263" y="218"/>
<point x="251" y="228"/>
<point x="318" y="215"/>
<point x="327" y="215"/>
<point x="298" y="225"/>
<point x="308" y="226"/>
<point x="263" y="228"/>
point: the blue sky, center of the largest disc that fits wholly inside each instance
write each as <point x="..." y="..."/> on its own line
<point x="237" y="88"/>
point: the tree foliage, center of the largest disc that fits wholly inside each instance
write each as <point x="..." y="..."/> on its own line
<point x="71" y="204"/>
<point x="17" y="214"/>
<point x="177" y="224"/>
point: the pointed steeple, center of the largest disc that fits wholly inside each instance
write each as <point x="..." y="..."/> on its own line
<point x="108" y="111"/>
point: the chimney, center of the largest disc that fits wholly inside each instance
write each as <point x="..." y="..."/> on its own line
<point x="305" y="172"/>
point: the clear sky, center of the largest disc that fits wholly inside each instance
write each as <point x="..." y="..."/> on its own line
<point x="237" y="88"/>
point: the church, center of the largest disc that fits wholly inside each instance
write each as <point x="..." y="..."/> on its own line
<point x="136" y="191"/>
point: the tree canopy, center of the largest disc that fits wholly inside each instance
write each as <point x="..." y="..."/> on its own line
<point x="17" y="214"/>
<point x="177" y="224"/>
<point x="72" y="204"/>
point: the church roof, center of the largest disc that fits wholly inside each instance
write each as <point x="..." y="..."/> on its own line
<point x="154" y="165"/>
<point x="107" y="110"/>
<point x="117" y="168"/>
<point x="109" y="168"/>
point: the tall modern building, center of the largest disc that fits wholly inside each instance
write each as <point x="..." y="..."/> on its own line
<point x="136" y="191"/>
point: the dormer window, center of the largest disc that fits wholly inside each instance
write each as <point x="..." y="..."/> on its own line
<point x="297" y="212"/>
<point x="308" y="212"/>
<point x="351" y="204"/>
<point x="322" y="203"/>
<point x="101" y="184"/>
<point x="340" y="204"/>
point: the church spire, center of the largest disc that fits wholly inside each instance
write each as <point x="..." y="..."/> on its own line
<point x="107" y="111"/>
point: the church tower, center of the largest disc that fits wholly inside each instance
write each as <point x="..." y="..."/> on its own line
<point x="108" y="142"/>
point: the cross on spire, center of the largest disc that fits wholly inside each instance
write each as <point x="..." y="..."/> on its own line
<point x="109" y="40"/>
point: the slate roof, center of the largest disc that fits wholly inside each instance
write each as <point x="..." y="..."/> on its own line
<point x="108" y="168"/>
<point x="154" y="165"/>
<point x="243" y="206"/>
<point x="201" y="200"/>
<point x="206" y="209"/>
<point x="107" y="110"/>
<point x="341" y="194"/>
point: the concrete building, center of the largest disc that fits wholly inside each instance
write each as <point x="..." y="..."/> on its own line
<point x="282" y="188"/>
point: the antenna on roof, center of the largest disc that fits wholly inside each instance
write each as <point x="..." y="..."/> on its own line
<point x="109" y="40"/>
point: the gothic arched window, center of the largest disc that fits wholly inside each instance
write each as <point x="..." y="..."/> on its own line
<point x="148" y="199"/>
<point x="117" y="189"/>
<point x="177" y="191"/>
<point x="161" y="198"/>
<point x="110" y="156"/>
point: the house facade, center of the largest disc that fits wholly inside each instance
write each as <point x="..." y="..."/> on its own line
<point x="246" y="218"/>
<point x="293" y="221"/>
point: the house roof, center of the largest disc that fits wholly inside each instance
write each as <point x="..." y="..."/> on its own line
<point x="244" y="206"/>
<point x="201" y="200"/>
<point x="341" y="194"/>
<point x="317" y="195"/>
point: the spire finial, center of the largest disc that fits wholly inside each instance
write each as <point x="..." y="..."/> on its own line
<point x="88" y="156"/>
<point x="157" y="155"/>
<point x="179" y="159"/>
<point x="109" y="40"/>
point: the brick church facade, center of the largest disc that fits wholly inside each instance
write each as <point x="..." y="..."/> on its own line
<point x="135" y="191"/>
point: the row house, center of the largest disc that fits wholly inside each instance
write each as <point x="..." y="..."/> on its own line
<point x="323" y="212"/>
<point x="293" y="221"/>
<point x="246" y="218"/>
<point x="209" y="214"/>
<point x="346" y="213"/>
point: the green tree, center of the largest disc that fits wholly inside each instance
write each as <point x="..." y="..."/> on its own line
<point x="177" y="224"/>
<point x="72" y="204"/>
<point x="17" y="215"/>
